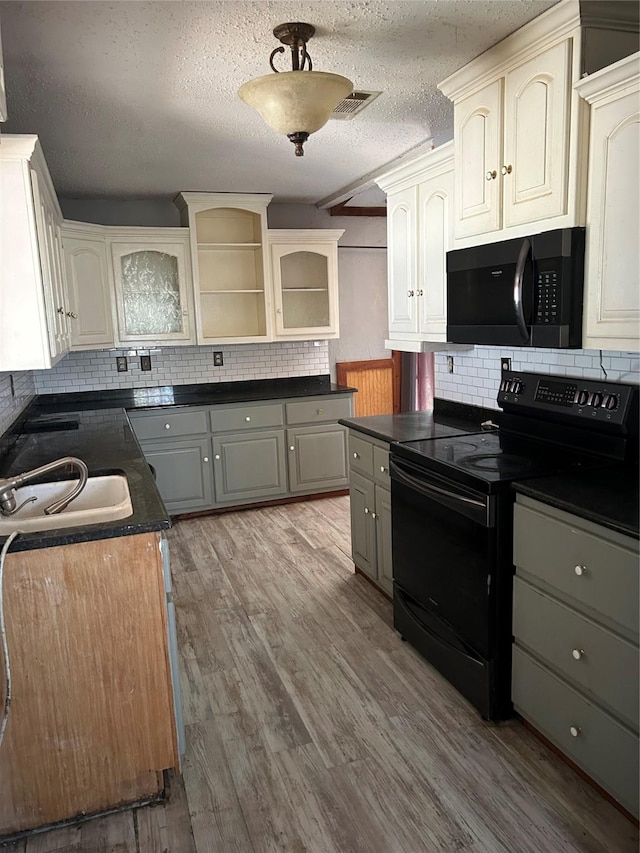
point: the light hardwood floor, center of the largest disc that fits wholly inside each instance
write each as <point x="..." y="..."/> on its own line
<point x="311" y="728"/>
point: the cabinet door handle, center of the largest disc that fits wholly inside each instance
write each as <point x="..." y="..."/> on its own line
<point x="217" y="456"/>
<point x="492" y="175"/>
<point x="319" y="411"/>
<point x="167" y="426"/>
<point x="578" y="653"/>
<point x="580" y="570"/>
<point x="247" y="418"/>
<point x="205" y="458"/>
<point x="292" y="447"/>
<point x="72" y="314"/>
<point x="506" y="170"/>
<point x="575" y="731"/>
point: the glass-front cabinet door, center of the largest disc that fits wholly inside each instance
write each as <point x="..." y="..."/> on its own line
<point x="152" y="283"/>
<point x="305" y="278"/>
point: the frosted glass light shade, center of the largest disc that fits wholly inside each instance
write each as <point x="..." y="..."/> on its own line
<point x="296" y="101"/>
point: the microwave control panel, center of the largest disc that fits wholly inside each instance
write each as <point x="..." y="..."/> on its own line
<point x="547" y="297"/>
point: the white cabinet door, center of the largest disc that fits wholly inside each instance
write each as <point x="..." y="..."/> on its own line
<point x="533" y="175"/>
<point x="152" y="285"/>
<point x="402" y="212"/>
<point x="3" y="93"/>
<point x="478" y="157"/>
<point x="89" y="291"/>
<point x="304" y="268"/>
<point x="435" y="238"/>
<point x="612" y="295"/>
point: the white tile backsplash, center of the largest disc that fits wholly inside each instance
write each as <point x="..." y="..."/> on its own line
<point x="96" y="370"/>
<point x="13" y="402"/>
<point x="476" y="374"/>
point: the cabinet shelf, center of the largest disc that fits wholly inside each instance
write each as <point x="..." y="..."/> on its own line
<point x="211" y="247"/>
<point x="232" y="290"/>
<point x="304" y="289"/>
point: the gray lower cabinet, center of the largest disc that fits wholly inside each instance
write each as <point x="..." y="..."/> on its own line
<point x="249" y="466"/>
<point x="238" y="453"/>
<point x="575" y="654"/>
<point x="317" y="458"/>
<point x="183" y="472"/>
<point x="370" y="503"/>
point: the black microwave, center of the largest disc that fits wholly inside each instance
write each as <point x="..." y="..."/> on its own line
<point x="525" y="292"/>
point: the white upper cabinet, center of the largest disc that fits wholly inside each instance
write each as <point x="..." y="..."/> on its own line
<point x="520" y="129"/>
<point x="612" y="303"/>
<point x="419" y="235"/>
<point x="88" y="285"/>
<point x="232" y="276"/>
<point x="34" y="308"/>
<point x="153" y="285"/>
<point x="304" y="267"/>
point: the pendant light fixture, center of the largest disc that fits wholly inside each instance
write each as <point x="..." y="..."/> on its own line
<point x="300" y="101"/>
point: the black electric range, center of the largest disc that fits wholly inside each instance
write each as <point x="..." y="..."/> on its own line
<point x="452" y="506"/>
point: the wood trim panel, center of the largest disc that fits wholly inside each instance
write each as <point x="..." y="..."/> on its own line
<point x="342" y="209"/>
<point x="91" y="719"/>
<point x="378" y="382"/>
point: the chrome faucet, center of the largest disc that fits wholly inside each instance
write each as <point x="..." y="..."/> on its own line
<point x="7" y="486"/>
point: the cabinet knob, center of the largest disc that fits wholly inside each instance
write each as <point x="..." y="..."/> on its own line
<point x="575" y="731"/>
<point x="421" y="292"/>
<point x="356" y="455"/>
<point x="205" y="459"/>
<point x="319" y="411"/>
<point x="374" y="515"/>
<point x="383" y="469"/>
<point x="578" y="653"/>
<point x="492" y="175"/>
<point x="217" y="456"/>
<point x="580" y="570"/>
<point x="506" y="170"/>
<point x="247" y="418"/>
<point x="72" y="314"/>
<point x="366" y="510"/>
<point x="61" y="310"/>
<point x="292" y="447"/>
<point x="409" y="292"/>
<point x="167" y="426"/>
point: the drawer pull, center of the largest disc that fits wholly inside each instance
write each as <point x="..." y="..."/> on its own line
<point x="167" y="426"/>
<point x="217" y="456"/>
<point x="319" y="411"/>
<point x="292" y="447"/>
<point x="356" y="455"/>
<point x="205" y="458"/>
<point x="247" y="418"/>
<point x="384" y="470"/>
<point x="575" y="731"/>
<point x="580" y="570"/>
<point x="578" y="653"/>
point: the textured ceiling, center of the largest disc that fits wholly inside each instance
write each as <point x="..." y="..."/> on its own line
<point x="139" y="99"/>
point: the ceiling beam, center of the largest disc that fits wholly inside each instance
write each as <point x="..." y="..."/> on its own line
<point x="342" y="209"/>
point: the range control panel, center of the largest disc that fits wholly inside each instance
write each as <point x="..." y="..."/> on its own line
<point x="610" y="402"/>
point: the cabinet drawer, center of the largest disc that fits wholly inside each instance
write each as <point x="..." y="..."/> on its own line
<point x="381" y="465"/>
<point x="596" y="574"/>
<point x="604" y="748"/>
<point x="250" y="416"/>
<point x="169" y="424"/>
<point x="320" y="409"/>
<point x="360" y="454"/>
<point x="589" y="655"/>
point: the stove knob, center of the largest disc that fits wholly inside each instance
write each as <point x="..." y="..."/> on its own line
<point x="610" y="402"/>
<point x="504" y="385"/>
<point x="596" y="399"/>
<point x="518" y="386"/>
<point x="582" y="397"/>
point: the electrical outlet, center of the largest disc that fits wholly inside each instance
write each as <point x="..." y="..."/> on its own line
<point x="505" y="364"/>
<point x="450" y="364"/>
<point x="121" y="363"/>
<point x="145" y="362"/>
<point x="218" y="360"/>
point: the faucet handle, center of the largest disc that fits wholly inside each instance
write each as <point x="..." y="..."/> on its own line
<point x="7" y="509"/>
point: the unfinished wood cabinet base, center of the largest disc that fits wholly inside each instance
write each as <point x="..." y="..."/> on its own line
<point x="91" y="722"/>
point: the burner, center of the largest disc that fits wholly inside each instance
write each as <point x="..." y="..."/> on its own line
<point x="505" y="463"/>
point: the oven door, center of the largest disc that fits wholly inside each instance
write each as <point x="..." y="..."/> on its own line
<point x="444" y="550"/>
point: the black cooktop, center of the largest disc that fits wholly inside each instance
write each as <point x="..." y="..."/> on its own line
<point x="487" y="460"/>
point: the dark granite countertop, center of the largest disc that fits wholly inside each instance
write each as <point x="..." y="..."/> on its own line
<point x="412" y="426"/>
<point x="606" y="496"/>
<point x="104" y="440"/>
<point x="207" y="394"/>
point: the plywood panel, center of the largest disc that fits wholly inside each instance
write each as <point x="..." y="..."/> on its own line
<point x="91" y="719"/>
<point x="378" y="384"/>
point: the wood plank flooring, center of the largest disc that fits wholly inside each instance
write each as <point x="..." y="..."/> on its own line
<point x="311" y="728"/>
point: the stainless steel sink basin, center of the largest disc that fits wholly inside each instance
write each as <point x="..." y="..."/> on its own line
<point x="102" y="499"/>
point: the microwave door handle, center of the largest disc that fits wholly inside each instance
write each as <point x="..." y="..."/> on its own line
<point x="518" y="285"/>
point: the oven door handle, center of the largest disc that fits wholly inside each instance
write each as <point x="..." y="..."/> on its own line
<point x="478" y="509"/>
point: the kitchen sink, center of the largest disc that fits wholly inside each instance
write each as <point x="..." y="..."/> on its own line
<point x="102" y="499"/>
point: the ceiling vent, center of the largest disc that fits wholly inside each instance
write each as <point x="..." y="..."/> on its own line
<point x="353" y="104"/>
